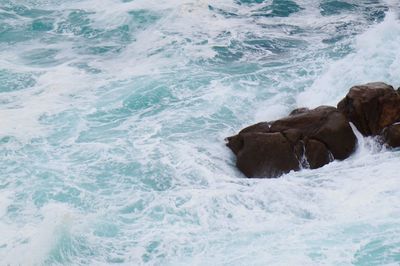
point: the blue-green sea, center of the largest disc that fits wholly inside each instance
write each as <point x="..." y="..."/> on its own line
<point x="113" y="115"/>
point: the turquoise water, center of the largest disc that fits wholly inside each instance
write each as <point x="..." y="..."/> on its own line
<point x="113" y="116"/>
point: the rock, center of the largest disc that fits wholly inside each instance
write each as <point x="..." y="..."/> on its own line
<point x="317" y="154"/>
<point x="374" y="108"/>
<point x="306" y="138"/>
<point x="266" y="154"/>
<point x="371" y="107"/>
<point x="391" y="135"/>
<point x="299" y="111"/>
<point x="325" y="124"/>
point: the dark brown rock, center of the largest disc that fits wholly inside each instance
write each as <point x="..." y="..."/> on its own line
<point x="299" y="111"/>
<point x="324" y="124"/>
<point x="235" y="143"/>
<point x="391" y="135"/>
<point x="266" y="155"/>
<point x="371" y="107"/>
<point x="317" y="154"/>
<point x="306" y="138"/>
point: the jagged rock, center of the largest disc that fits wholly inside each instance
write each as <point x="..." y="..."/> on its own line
<point x="306" y="138"/>
<point x="371" y="107"/>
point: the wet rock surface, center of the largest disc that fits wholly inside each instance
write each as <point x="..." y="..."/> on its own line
<point x="313" y="138"/>
<point x="304" y="139"/>
<point x="371" y="107"/>
<point x="374" y="108"/>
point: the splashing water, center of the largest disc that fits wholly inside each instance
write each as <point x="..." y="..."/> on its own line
<point x="113" y="115"/>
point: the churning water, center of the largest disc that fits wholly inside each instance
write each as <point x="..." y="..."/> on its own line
<point x="113" y="115"/>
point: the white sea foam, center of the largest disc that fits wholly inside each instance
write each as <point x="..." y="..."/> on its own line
<point x="31" y="243"/>
<point x="119" y="157"/>
<point x="375" y="58"/>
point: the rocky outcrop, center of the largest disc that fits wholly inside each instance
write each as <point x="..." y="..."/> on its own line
<point x="304" y="139"/>
<point x="374" y="108"/>
<point x="312" y="138"/>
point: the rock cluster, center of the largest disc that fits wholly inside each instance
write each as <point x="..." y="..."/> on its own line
<point x="312" y="138"/>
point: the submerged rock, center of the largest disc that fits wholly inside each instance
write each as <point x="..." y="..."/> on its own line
<point x="374" y="108"/>
<point x="304" y="139"/>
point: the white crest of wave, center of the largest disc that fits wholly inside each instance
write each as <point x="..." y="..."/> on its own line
<point x="376" y="58"/>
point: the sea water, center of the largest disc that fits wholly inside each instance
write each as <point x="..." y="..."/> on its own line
<point x="113" y="116"/>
